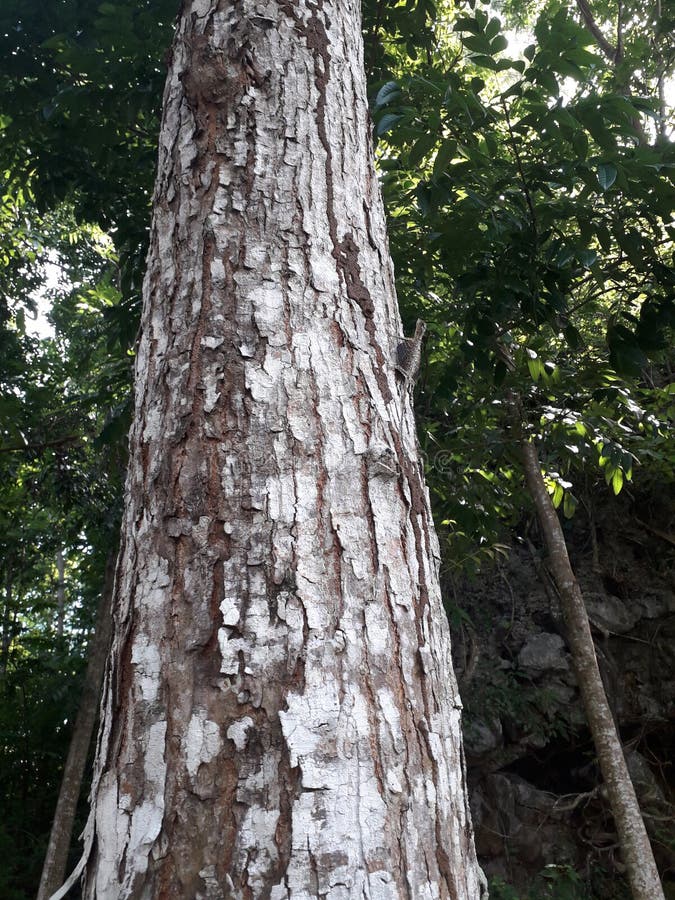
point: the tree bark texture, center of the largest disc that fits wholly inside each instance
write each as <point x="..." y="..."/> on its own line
<point x="56" y="857"/>
<point x="636" y="850"/>
<point x="280" y="715"/>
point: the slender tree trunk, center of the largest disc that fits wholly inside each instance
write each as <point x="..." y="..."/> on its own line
<point x="635" y="847"/>
<point x="60" y="592"/>
<point x="662" y="128"/>
<point x="7" y="622"/>
<point x="56" y="858"/>
<point x="281" y="719"/>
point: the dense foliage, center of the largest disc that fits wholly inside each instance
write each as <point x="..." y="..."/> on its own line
<point x="530" y="198"/>
<point x="540" y="217"/>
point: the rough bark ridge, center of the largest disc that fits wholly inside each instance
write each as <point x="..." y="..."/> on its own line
<point x="280" y="715"/>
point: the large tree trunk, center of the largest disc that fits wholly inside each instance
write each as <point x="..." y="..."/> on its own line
<point x="56" y="857"/>
<point x="281" y="717"/>
<point x="637" y="853"/>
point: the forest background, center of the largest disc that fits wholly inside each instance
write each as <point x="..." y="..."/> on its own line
<point x="527" y="163"/>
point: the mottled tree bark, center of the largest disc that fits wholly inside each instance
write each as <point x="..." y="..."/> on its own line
<point x="636" y="850"/>
<point x="56" y="857"/>
<point x="280" y="717"/>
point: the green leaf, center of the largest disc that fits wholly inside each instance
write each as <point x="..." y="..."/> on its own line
<point x="421" y="148"/>
<point x="604" y="237"/>
<point x="56" y="42"/>
<point x="467" y="24"/>
<point x="477" y="44"/>
<point x="572" y="337"/>
<point x="580" y="144"/>
<point x="569" y="504"/>
<point x="625" y="354"/>
<point x="493" y="27"/>
<point x="647" y="105"/>
<point x="491" y="144"/>
<point x="485" y="62"/>
<point x="617" y="481"/>
<point x="547" y="80"/>
<point x="606" y="175"/>
<point x="565" y="255"/>
<point x="587" y="258"/>
<point x="387" y="122"/>
<point x="536" y="366"/>
<point x="594" y="123"/>
<point x="446" y="152"/>
<point x="631" y="244"/>
<point x="388" y="92"/>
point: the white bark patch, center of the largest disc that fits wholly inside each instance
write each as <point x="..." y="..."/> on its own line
<point x="392" y="717"/>
<point x="146" y="822"/>
<point x="146" y="657"/>
<point x="212" y="888"/>
<point x="229" y="651"/>
<point x="257" y="830"/>
<point x="211" y="392"/>
<point x="126" y="828"/>
<point x="203" y="742"/>
<point x="238" y="732"/>
<point x="112" y="825"/>
<point x="212" y="341"/>
<point x="394" y="783"/>
<point x="229" y="607"/>
<point x="309" y="720"/>
<point x="377" y="631"/>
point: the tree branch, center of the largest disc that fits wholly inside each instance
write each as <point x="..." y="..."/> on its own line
<point x="608" y="49"/>
<point x="42" y="445"/>
<point x="521" y="171"/>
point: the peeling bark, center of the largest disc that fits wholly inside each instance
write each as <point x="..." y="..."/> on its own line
<point x="280" y="716"/>
<point x="636" y="850"/>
